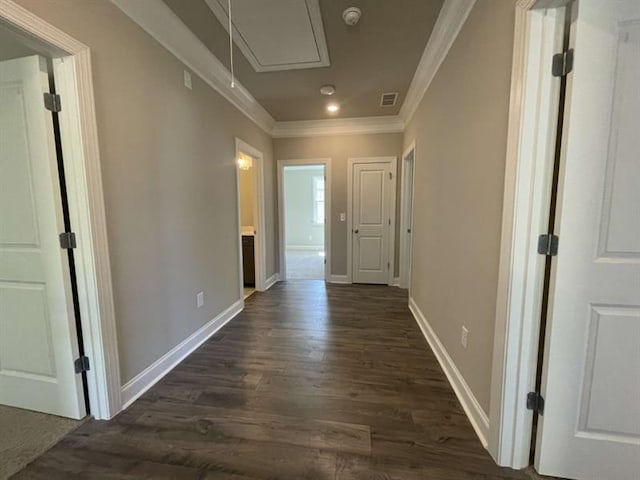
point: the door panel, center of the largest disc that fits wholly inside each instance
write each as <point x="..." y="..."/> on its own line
<point x="370" y="257"/>
<point x="371" y="196"/>
<point x="38" y="339"/>
<point x="591" y="381"/>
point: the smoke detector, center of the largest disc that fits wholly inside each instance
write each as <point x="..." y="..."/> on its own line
<point x="327" y="90"/>
<point x="351" y="16"/>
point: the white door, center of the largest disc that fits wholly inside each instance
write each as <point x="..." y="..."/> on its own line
<point x="372" y="185"/>
<point x="590" y="428"/>
<point x="38" y="341"/>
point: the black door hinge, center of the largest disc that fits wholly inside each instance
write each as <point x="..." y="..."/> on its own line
<point x="548" y="244"/>
<point x="67" y="240"/>
<point x="535" y="402"/>
<point x="562" y="63"/>
<point x="52" y="102"/>
<point x="81" y="364"/>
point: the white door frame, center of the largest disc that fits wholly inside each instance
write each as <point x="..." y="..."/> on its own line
<point x="393" y="161"/>
<point x="406" y="239"/>
<point x="326" y="163"/>
<point x="259" y="246"/>
<point x="72" y="68"/>
<point x="530" y="142"/>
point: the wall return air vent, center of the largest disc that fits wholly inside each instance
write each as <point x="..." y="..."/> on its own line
<point x="388" y="99"/>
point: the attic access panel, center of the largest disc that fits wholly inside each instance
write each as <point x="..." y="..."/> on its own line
<point x="276" y="35"/>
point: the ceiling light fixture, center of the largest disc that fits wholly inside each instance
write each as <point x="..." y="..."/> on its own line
<point x="327" y="90"/>
<point x="333" y="107"/>
<point x="244" y="162"/>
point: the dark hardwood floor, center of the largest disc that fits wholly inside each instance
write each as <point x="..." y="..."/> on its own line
<point x="309" y="382"/>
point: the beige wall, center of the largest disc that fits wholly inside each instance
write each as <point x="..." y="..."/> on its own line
<point x="460" y="130"/>
<point x="339" y="149"/>
<point x="247" y="196"/>
<point x="168" y="168"/>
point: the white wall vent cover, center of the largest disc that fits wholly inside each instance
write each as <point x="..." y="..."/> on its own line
<point x="276" y="35"/>
<point x="388" y="99"/>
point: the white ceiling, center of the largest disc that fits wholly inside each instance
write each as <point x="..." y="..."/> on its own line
<point x="276" y="35"/>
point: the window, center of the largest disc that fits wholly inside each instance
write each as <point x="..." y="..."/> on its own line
<point x="318" y="199"/>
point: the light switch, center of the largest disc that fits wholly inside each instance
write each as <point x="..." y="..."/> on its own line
<point x="343" y="217"/>
<point x="199" y="299"/>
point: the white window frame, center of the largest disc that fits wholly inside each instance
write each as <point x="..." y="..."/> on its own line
<point x="318" y="220"/>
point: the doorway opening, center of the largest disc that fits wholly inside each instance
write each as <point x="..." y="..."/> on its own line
<point x="304" y="191"/>
<point x="249" y="176"/>
<point x="567" y="301"/>
<point x="42" y="395"/>
<point x="406" y="220"/>
<point x="304" y="200"/>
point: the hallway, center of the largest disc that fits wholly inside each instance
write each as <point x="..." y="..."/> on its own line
<point x="309" y="381"/>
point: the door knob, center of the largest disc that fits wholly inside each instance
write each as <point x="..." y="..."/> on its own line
<point x="356" y="231"/>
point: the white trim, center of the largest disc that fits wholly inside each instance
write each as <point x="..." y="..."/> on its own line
<point x="159" y="21"/>
<point x="396" y="282"/>
<point x="405" y="261"/>
<point x="271" y="281"/>
<point x="477" y="416"/>
<point x="338" y="279"/>
<point x="452" y="16"/>
<point x="86" y="205"/>
<point x="151" y="375"/>
<point x="326" y="162"/>
<point x="317" y="28"/>
<point x="259" y="222"/>
<point x="529" y="163"/>
<point x="393" y="161"/>
<point x="338" y="126"/>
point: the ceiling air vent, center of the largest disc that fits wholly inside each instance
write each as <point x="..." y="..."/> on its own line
<point x="388" y="99"/>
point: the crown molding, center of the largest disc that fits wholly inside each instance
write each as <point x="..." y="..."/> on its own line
<point x="159" y="21"/>
<point x="338" y="126"/>
<point x="450" y="20"/>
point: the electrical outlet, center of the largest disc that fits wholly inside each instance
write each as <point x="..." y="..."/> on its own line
<point x="187" y="80"/>
<point x="199" y="299"/>
<point x="464" y="338"/>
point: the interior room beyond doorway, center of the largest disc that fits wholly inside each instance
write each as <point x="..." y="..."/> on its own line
<point x="304" y="209"/>
<point x="247" y="185"/>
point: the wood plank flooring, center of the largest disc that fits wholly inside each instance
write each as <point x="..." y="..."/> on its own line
<point x="308" y="382"/>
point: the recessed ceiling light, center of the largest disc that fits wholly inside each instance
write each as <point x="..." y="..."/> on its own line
<point x="327" y="90"/>
<point x="333" y="107"/>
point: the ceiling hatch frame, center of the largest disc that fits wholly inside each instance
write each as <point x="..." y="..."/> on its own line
<point x="219" y="8"/>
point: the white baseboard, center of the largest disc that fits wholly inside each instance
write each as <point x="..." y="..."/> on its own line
<point x="477" y="416"/>
<point x="396" y="282"/>
<point x="315" y="248"/>
<point x="338" y="279"/>
<point x="271" y="281"/>
<point x="146" y="379"/>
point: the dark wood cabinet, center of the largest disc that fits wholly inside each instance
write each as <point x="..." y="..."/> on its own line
<point x="248" y="261"/>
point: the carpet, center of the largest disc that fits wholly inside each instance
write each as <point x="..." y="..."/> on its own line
<point x="304" y="264"/>
<point x="25" y="435"/>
